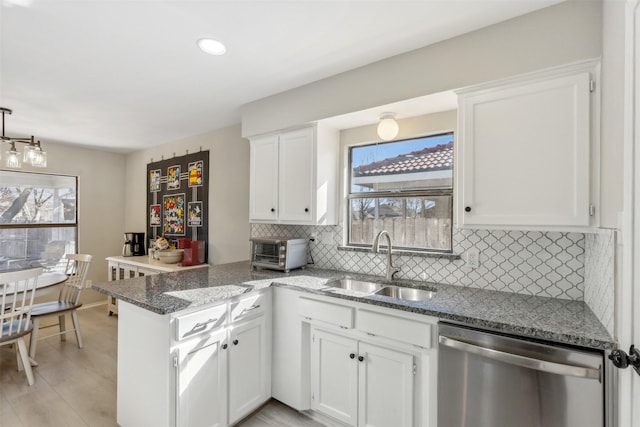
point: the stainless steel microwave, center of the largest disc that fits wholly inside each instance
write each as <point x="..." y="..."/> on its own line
<point x="278" y="253"/>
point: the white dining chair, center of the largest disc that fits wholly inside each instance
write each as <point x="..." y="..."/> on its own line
<point x="18" y="290"/>
<point x="68" y="302"/>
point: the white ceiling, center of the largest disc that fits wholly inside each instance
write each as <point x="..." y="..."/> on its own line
<point x="126" y="75"/>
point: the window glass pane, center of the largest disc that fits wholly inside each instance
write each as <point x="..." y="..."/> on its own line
<point x="35" y="247"/>
<point x="419" y="163"/>
<point x="412" y="222"/>
<point x="32" y="198"/>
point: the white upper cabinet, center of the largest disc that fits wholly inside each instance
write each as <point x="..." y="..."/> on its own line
<point x="297" y="169"/>
<point x="294" y="177"/>
<point x="264" y="178"/>
<point x="527" y="152"/>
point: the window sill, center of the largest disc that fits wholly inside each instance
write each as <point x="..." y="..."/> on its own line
<point x="402" y="252"/>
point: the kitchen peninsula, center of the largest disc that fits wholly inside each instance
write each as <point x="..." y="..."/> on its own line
<point x="202" y="318"/>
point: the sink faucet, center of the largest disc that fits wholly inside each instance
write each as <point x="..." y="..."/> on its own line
<point x="391" y="270"/>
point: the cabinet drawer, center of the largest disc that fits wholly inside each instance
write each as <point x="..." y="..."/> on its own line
<point x="394" y="327"/>
<point x="327" y="312"/>
<point x="200" y="322"/>
<point x="248" y="307"/>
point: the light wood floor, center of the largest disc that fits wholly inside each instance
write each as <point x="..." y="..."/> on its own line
<point x="77" y="387"/>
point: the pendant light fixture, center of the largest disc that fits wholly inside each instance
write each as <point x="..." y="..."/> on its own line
<point x="388" y="127"/>
<point x="33" y="154"/>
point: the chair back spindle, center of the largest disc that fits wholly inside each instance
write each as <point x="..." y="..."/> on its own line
<point x="18" y="291"/>
<point x="77" y="268"/>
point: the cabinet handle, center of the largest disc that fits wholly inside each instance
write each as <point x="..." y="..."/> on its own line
<point x="273" y="210"/>
<point x="306" y="209"/>
<point x="248" y="309"/>
<point x="467" y="209"/>
<point x="361" y="358"/>
<point x="235" y="342"/>
<point x="203" y="324"/>
<point x="224" y="346"/>
<point x="352" y="356"/>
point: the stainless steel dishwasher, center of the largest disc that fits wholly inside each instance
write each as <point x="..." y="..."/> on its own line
<point x="492" y="380"/>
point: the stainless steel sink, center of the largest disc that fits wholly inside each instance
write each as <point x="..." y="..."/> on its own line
<point x="409" y="294"/>
<point x="355" y="285"/>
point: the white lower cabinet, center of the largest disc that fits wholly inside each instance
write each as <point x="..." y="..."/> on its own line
<point x="202" y="382"/>
<point x="370" y="366"/>
<point x="359" y="364"/>
<point x="386" y="380"/>
<point x="334" y="376"/>
<point x="228" y="369"/>
<point x="290" y="357"/>
<point x="215" y="369"/>
<point x="361" y="384"/>
<point x="248" y="368"/>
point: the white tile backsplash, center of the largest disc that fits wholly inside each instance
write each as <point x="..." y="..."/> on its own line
<point x="599" y="288"/>
<point x="550" y="264"/>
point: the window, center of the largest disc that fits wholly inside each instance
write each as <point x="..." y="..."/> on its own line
<point x="38" y="219"/>
<point x="406" y="188"/>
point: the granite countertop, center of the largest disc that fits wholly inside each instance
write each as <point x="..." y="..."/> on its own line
<point x="562" y="321"/>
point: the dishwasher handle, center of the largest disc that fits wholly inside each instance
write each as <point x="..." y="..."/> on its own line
<point x="523" y="361"/>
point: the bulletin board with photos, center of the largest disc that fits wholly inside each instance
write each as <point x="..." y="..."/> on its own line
<point x="177" y="198"/>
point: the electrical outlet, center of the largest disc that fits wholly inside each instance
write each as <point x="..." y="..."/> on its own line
<point x="314" y="237"/>
<point x="473" y="258"/>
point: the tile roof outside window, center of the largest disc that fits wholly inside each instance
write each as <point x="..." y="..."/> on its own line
<point x="439" y="157"/>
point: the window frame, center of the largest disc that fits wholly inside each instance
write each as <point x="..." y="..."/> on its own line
<point x="431" y="192"/>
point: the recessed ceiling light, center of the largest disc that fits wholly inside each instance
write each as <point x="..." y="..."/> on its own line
<point x="212" y="47"/>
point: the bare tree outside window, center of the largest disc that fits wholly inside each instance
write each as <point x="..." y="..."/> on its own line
<point x="38" y="220"/>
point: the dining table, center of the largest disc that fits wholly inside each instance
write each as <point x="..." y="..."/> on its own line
<point x="47" y="283"/>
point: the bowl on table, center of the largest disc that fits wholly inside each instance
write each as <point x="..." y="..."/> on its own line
<point x="170" y="256"/>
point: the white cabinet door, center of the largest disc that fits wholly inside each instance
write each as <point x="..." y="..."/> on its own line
<point x="290" y="358"/>
<point x="334" y="376"/>
<point x="263" y="194"/>
<point x="297" y="169"/>
<point x="247" y="361"/>
<point x="201" y="382"/>
<point x="386" y="387"/>
<point x="524" y="155"/>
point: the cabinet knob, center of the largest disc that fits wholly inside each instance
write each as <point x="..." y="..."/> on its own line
<point x="306" y="209"/>
<point x="273" y="209"/>
<point x="361" y="358"/>
<point x="235" y="342"/>
<point x="467" y="209"/>
<point x="224" y="346"/>
<point x="352" y="356"/>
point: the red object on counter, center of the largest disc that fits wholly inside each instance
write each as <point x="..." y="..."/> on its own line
<point x="193" y="255"/>
<point x="184" y="243"/>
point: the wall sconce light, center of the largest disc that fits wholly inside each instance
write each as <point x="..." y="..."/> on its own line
<point x="388" y="127"/>
<point x="33" y="153"/>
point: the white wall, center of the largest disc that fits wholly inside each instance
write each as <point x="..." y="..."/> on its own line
<point x="228" y="189"/>
<point x="565" y="33"/>
<point x="100" y="201"/>
<point x="411" y="127"/>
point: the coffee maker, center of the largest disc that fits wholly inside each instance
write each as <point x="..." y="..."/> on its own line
<point x="133" y="244"/>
